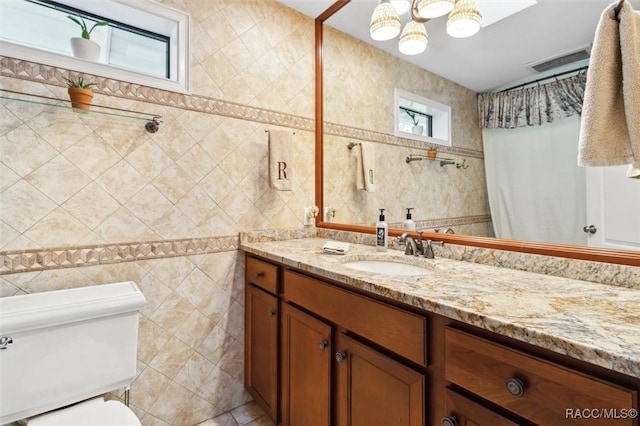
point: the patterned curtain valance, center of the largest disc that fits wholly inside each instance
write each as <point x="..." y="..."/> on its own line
<point x="534" y="105"/>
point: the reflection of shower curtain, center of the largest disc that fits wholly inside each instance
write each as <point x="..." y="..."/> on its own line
<point x="536" y="190"/>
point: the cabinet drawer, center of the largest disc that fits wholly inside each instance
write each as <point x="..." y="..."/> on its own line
<point x="394" y="329"/>
<point x="262" y="274"/>
<point x="538" y="390"/>
<point x="463" y="411"/>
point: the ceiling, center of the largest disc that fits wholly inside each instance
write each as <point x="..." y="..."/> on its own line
<point x="499" y="54"/>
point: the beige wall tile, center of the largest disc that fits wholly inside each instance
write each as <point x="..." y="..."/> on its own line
<point x="23" y="150"/>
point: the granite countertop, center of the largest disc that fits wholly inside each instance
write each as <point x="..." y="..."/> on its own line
<point x="596" y="323"/>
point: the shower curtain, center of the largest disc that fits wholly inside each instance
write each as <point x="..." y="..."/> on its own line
<point x="536" y="190"/>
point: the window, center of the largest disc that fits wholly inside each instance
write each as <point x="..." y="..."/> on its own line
<point x="422" y="119"/>
<point x="144" y="43"/>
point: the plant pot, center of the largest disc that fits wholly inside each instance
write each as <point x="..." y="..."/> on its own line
<point x="417" y="130"/>
<point x="432" y="154"/>
<point x="80" y="98"/>
<point x="85" y="49"/>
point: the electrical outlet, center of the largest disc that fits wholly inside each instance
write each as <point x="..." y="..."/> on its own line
<point x="327" y="214"/>
<point x="308" y="219"/>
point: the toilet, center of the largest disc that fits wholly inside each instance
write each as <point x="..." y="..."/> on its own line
<point x="60" y="351"/>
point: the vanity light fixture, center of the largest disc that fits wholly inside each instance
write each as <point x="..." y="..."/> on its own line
<point x="385" y="22"/>
<point x="434" y="8"/>
<point x="463" y="21"/>
<point x="413" y="39"/>
<point x="401" y="6"/>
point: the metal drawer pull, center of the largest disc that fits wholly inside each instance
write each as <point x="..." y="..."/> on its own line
<point x="515" y="387"/>
<point x="341" y="356"/>
<point x="590" y="229"/>
<point x="449" y="421"/>
<point x="260" y="274"/>
<point x="323" y="344"/>
<point x="5" y="342"/>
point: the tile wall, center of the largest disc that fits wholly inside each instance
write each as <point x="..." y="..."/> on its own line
<point x="89" y="199"/>
<point x="358" y="78"/>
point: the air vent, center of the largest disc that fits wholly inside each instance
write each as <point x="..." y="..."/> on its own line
<point x="559" y="61"/>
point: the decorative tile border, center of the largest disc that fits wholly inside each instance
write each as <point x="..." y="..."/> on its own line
<point x="368" y="135"/>
<point x="447" y="222"/>
<point x="24" y="70"/>
<point x="12" y="262"/>
<point x="20" y="69"/>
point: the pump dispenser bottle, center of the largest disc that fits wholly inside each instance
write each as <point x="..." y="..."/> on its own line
<point x="408" y="223"/>
<point x="382" y="233"/>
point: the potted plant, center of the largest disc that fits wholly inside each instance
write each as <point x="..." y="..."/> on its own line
<point x="417" y="128"/>
<point x="432" y="152"/>
<point x="80" y="92"/>
<point x="83" y="47"/>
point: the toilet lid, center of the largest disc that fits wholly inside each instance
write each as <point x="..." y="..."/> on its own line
<point x="94" y="412"/>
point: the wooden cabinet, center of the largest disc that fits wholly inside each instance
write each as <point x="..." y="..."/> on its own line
<point x="261" y="348"/>
<point x="534" y="389"/>
<point x="306" y="369"/>
<point x="398" y="330"/>
<point x="262" y="329"/>
<point x="462" y="411"/>
<point x="321" y="354"/>
<point x="373" y="389"/>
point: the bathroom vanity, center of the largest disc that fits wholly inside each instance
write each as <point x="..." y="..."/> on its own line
<point x="457" y="344"/>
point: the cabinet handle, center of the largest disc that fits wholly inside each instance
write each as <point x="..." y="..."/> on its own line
<point x="260" y="274"/>
<point x="341" y="356"/>
<point x="323" y="344"/>
<point x="515" y="386"/>
<point x="272" y="312"/>
<point x="449" y="421"/>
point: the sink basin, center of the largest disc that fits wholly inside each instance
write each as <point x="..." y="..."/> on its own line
<point x="388" y="267"/>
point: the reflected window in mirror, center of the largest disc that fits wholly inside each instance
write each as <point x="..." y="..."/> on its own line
<point x="134" y="41"/>
<point x="420" y="118"/>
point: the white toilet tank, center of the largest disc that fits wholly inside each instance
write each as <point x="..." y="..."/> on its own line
<point x="67" y="346"/>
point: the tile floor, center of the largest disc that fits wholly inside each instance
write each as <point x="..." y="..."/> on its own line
<point x="246" y="415"/>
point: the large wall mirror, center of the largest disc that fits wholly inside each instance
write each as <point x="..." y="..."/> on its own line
<point x="355" y="86"/>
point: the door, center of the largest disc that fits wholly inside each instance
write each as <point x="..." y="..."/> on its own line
<point x="261" y="354"/>
<point x="464" y="412"/>
<point x="613" y="209"/>
<point x="373" y="389"/>
<point x="306" y="369"/>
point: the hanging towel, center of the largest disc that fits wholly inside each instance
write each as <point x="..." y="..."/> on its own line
<point x="610" y="126"/>
<point x="280" y="154"/>
<point x="365" y="166"/>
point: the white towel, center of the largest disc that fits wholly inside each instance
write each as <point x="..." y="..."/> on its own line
<point x="610" y="126"/>
<point x="365" y="166"/>
<point x="280" y="155"/>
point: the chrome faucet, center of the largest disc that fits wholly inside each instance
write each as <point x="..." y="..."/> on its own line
<point x="418" y="248"/>
<point x="414" y="247"/>
<point x="428" y="248"/>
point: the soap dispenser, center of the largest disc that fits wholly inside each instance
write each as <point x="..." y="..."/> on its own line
<point x="382" y="233"/>
<point x="408" y="223"/>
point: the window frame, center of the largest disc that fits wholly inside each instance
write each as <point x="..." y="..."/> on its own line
<point x="440" y="118"/>
<point x="180" y="37"/>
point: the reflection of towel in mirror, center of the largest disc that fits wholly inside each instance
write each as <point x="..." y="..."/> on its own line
<point x="280" y="155"/>
<point x="610" y="126"/>
<point x="365" y="166"/>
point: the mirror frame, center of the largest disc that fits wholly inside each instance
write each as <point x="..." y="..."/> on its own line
<point x="547" y="249"/>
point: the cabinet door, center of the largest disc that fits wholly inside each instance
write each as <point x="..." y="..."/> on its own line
<point x="306" y="369"/>
<point x="373" y="389"/>
<point x="261" y="348"/>
<point x="464" y="412"/>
